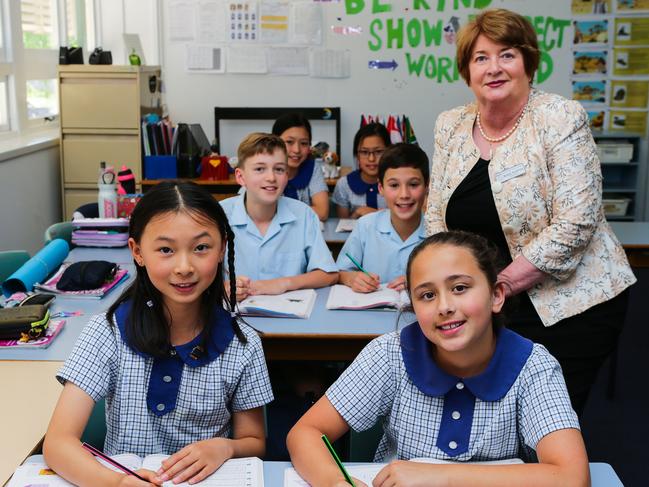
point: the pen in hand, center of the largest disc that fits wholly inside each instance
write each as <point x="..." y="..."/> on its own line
<point x="110" y="461"/>
<point x="348" y="477"/>
<point x="358" y="266"/>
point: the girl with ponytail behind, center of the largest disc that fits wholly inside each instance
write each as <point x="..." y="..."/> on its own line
<point x="179" y="373"/>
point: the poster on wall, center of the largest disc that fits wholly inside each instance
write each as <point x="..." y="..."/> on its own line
<point x="628" y="121"/>
<point x="632" y="61"/>
<point x="596" y="119"/>
<point x="273" y="22"/>
<point x="631" y="6"/>
<point x="586" y="7"/>
<point x="590" y="32"/>
<point x="306" y="23"/>
<point x="242" y="22"/>
<point x="629" y="94"/>
<point x="590" y="91"/>
<point x="590" y="62"/>
<point x="631" y="31"/>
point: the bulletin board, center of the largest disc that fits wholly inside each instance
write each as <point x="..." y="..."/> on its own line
<point x="364" y="56"/>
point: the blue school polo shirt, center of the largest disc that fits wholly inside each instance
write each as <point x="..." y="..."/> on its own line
<point x="377" y="246"/>
<point x="500" y="414"/>
<point x="293" y="243"/>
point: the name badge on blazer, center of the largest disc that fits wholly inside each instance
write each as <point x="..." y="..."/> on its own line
<point x="510" y="173"/>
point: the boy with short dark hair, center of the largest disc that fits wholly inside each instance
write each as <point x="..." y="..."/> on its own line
<point x="382" y="241"/>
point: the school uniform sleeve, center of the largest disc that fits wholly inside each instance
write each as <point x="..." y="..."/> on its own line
<point x="317" y="252"/>
<point x="317" y="184"/>
<point x="354" y="246"/>
<point x="92" y="365"/>
<point x="341" y="193"/>
<point x="544" y="404"/>
<point x="366" y="390"/>
<point x="253" y="389"/>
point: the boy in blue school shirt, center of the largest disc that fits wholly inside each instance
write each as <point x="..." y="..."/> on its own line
<point x="278" y="242"/>
<point x="382" y="241"/>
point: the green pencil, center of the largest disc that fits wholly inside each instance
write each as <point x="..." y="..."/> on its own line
<point x="357" y="265"/>
<point x="337" y="460"/>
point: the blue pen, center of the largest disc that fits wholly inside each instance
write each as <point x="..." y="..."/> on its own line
<point x="358" y="265"/>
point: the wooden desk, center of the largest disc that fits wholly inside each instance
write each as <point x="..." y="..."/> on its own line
<point x="30" y="394"/>
<point x="229" y="187"/>
<point x="601" y="474"/>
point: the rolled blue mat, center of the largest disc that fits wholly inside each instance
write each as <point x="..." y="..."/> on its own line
<point x="36" y="269"/>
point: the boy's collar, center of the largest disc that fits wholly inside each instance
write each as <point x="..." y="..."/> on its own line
<point x="193" y="353"/>
<point x="384" y="225"/>
<point x="511" y="354"/>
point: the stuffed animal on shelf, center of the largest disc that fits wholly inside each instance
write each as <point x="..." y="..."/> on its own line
<point x="330" y="164"/>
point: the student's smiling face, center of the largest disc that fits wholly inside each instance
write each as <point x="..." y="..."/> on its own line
<point x="181" y="253"/>
<point x="454" y="303"/>
<point x="368" y="153"/>
<point x="404" y="191"/>
<point x="264" y="176"/>
<point x="298" y="145"/>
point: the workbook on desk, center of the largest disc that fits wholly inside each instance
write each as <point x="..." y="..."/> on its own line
<point x="342" y="297"/>
<point x="236" y="472"/>
<point x="346" y="225"/>
<point x="366" y="473"/>
<point x="292" y="304"/>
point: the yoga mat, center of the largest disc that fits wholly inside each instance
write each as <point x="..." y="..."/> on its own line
<point x="36" y="269"/>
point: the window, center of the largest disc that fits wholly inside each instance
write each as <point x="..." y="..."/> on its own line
<point x="40" y="24"/>
<point x="4" y="106"/>
<point x="42" y="99"/>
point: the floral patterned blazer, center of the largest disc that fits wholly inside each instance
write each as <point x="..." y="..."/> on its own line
<point x="546" y="182"/>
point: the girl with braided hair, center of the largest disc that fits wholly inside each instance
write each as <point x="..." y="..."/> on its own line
<point x="179" y="373"/>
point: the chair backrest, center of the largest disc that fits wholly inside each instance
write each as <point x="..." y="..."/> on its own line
<point x="58" y="230"/>
<point x="95" y="432"/>
<point x="10" y="261"/>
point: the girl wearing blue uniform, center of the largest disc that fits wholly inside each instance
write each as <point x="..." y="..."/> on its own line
<point x="357" y="194"/>
<point x="179" y="374"/>
<point x="453" y="386"/>
<point x="305" y="178"/>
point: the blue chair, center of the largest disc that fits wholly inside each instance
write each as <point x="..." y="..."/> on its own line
<point x="10" y="262"/>
<point x="58" y="230"/>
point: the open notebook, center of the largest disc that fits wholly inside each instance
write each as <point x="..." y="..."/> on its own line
<point x="292" y="304"/>
<point x="342" y="297"/>
<point x="236" y="472"/>
<point x="367" y="472"/>
<point x="346" y="225"/>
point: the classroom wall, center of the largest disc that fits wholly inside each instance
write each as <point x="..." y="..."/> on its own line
<point x="30" y="198"/>
<point x="191" y="97"/>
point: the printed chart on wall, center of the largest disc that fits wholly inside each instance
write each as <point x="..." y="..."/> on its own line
<point x="254" y="37"/>
<point x="611" y="62"/>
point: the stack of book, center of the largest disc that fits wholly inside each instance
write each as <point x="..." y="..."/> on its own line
<point x="100" y="232"/>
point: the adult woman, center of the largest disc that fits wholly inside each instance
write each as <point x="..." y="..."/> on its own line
<point x="305" y="179"/>
<point x="519" y="166"/>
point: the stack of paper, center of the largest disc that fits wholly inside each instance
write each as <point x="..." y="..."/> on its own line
<point x="346" y="225"/>
<point x="100" y="232"/>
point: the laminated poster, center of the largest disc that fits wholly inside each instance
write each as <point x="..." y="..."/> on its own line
<point x="628" y="121"/>
<point x="590" y="32"/>
<point x="631" y="31"/>
<point x="596" y="119"/>
<point x="630" y="61"/>
<point x="242" y="22"/>
<point x="589" y="62"/>
<point x="589" y="91"/>
<point x="629" y="94"/>
<point x="587" y="7"/>
<point x="631" y="6"/>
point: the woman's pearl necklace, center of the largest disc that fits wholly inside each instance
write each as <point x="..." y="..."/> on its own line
<point x="511" y="130"/>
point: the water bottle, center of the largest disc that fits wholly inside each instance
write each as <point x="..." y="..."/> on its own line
<point x="107" y="198"/>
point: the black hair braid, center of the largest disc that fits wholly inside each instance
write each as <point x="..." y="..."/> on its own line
<point x="232" y="305"/>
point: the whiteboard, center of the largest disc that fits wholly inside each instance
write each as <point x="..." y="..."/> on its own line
<point x="191" y="97"/>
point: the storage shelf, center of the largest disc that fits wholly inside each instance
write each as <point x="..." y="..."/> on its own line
<point x="619" y="164"/>
<point x="619" y="190"/>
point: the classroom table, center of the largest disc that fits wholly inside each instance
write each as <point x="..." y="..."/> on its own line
<point x="601" y="474"/>
<point x="634" y="237"/>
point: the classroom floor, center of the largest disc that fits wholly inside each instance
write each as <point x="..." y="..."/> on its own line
<point x="616" y="430"/>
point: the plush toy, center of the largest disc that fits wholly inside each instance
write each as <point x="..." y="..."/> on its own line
<point x="318" y="150"/>
<point x="330" y="164"/>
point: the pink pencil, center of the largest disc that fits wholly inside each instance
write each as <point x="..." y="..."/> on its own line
<point x="115" y="464"/>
